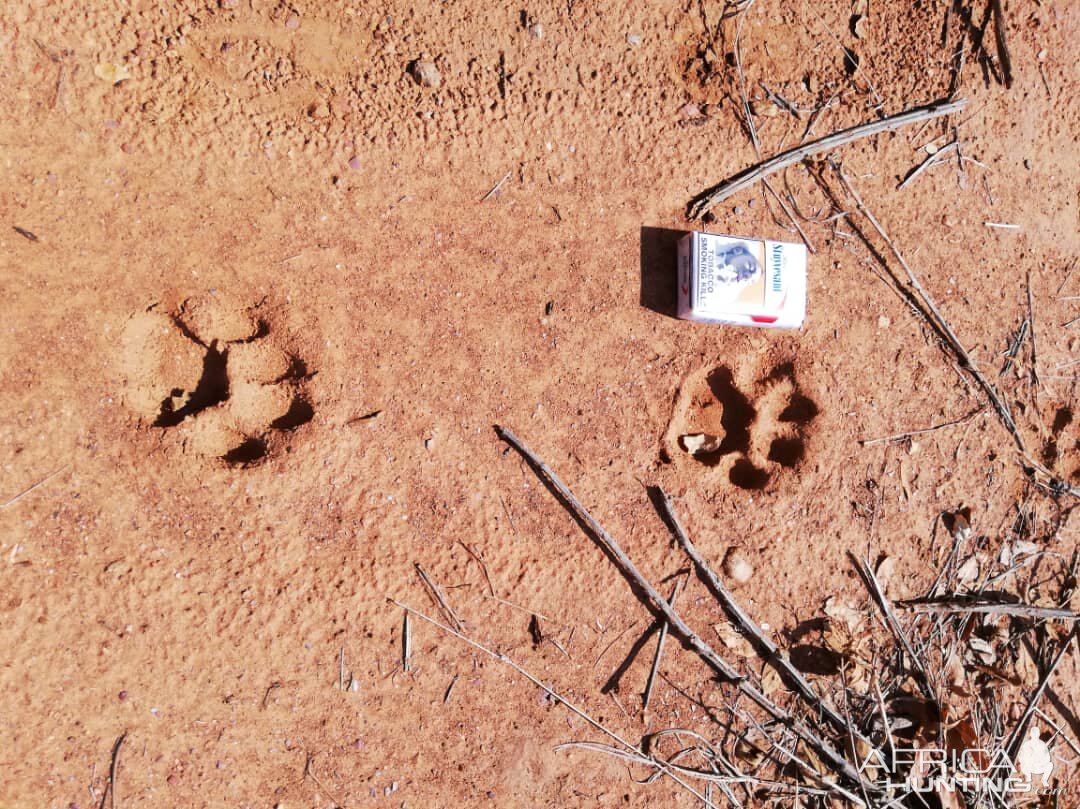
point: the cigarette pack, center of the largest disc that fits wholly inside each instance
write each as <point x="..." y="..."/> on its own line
<point x="742" y="282"/>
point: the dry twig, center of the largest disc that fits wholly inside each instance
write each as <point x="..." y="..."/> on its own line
<point x="504" y="659"/>
<point x="703" y="202"/>
<point x="114" y="766"/>
<point x="764" y="644"/>
<point x="658" y="604"/>
<point x="945" y="330"/>
<point x="665" y="627"/>
<point x="439" y="597"/>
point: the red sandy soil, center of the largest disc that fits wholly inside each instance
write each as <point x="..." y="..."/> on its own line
<point x="273" y="179"/>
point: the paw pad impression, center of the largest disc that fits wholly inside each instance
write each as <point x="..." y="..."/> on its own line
<point x="750" y="433"/>
<point x="216" y="372"/>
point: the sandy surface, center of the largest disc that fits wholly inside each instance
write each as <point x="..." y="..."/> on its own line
<point x="260" y="313"/>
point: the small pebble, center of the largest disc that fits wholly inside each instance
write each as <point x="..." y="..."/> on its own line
<point x="354" y="162"/>
<point x="425" y="73"/>
<point x="737" y="210"/>
<point x="536" y="31"/>
<point x="737" y="566"/>
<point x="122" y="696"/>
<point x="883" y="322"/>
<point x="293" y="22"/>
<point x="633" y="40"/>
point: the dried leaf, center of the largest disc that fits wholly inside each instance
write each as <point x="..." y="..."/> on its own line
<point x="980" y="651"/>
<point x="856" y="676"/>
<point x="770" y="681"/>
<point x="956" y="676"/>
<point x="751" y="747"/>
<point x="700" y="443"/>
<point x="1011" y="551"/>
<point x="885" y="570"/>
<point x="733" y="639"/>
<point x="968" y="573"/>
<point x="845" y="613"/>
<point x="859" y="26"/>
<point x="961" y="737"/>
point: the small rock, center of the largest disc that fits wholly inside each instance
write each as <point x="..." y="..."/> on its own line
<point x="633" y="40"/>
<point x="425" y="73"/>
<point x="883" y="322"/>
<point x="111" y="72"/>
<point x="293" y="22"/>
<point x="536" y="31"/>
<point x="690" y="111"/>
<point x="737" y="566"/>
<point x="429" y="443"/>
<point x="354" y="162"/>
<point x="764" y="108"/>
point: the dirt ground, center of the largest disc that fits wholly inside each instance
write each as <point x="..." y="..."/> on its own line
<point x="261" y="308"/>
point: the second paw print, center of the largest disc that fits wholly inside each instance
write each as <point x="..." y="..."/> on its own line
<point x="750" y="433"/>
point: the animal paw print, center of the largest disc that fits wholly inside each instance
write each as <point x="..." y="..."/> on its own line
<point x="751" y="433"/>
<point x="1063" y="443"/>
<point x="214" y="372"/>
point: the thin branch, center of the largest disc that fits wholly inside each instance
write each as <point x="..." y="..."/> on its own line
<point x="706" y="200"/>
<point x="665" y="627"/>
<point x="770" y="652"/>
<point x="1002" y="45"/>
<point x="1018" y="732"/>
<point x="869" y="442"/>
<point x="883" y="604"/>
<point x="114" y="766"/>
<point x="931" y="160"/>
<point x="33" y="486"/>
<point x="968" y="606"/>
<point x="504" y="659"/>
<point x="941" y="325"/>
<point x="439" y="597"/>
<point x="656" y="601"/>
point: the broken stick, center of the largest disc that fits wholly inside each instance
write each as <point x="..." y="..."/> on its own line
<point x="505" y="660"/>
<point x="439" y="597"/>
<point x="658" y="605"/>
<point x="769" y="650"/>
<point x="665" y="627"/>
<point x="706" y="200"/>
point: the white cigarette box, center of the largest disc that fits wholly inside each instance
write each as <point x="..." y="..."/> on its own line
<point x="742" y="282"/>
